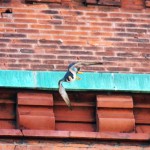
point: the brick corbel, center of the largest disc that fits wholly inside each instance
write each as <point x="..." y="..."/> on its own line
<point x="35" y="111"/>
<point x="115" y="114"/>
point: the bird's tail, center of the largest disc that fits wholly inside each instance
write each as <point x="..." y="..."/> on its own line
<point x="64" y="94"/>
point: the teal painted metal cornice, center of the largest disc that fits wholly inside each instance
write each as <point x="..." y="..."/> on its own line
<point x="90" y="81"/>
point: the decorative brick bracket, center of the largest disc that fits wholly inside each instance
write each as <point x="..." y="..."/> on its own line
<point x="115" y="113"/>
<point x="37" y="117"/>
<point x="35" y="111"/>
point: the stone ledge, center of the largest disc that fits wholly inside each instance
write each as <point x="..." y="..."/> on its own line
<point x="74" y="135"/>
<point x="97" y="81"/>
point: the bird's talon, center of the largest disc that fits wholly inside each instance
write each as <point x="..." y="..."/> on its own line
<point x="79" y="72"/>
<point x="78" y="78"/>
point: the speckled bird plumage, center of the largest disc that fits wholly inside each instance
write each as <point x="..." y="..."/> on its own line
<point x="70" y="76"/>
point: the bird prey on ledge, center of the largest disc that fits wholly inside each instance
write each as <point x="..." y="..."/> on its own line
<point x="70" y="76"/>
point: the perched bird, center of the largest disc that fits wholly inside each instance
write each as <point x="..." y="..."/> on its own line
<point x="70" y="76"/>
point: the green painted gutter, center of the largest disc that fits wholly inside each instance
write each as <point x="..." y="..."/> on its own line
<point x="90" y="81"/>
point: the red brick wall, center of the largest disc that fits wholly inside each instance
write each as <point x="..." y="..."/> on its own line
<point x="29" y="144"/>
<point x="48" y="37"/>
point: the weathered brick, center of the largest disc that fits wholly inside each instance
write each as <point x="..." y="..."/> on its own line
<point x="50" y="11"/>
<point x="145" y="45"/>
<point x="53" y="61"/>
<point x="40" y="26"/>
<point x="9" y="50"/>
<point x="133" y="4"/>
<point x="26" y="50"/>
<point x="122" y="15"/>
<point x="139" y="69"/>
<point x="112" y="19"/>
<point x="41" y="56"/>
<point x="81" y="52"/>
<point x="75" y="23"/>
<point x="2" y="45"/>
<point x="43" y="41"/>
<point x="114" y="39"/>
<point x="117" y="69"/>
<point x="65" y="38"/>
<point x="100" y="33"/>
<point x="30" y="61"/>
<point x="137" y="30"/>
<point x="130" y="25"/>
<point x="56" y="52"/>
<point x="20" y="45"/>
<point x="18" y="65"/>
<point x="114" y="58"/>
<point x="126" y="55"/>
<point x="76" y="33"/>
<point x="87" y="58"/>
<point x="113" y="29"/>
<point x="4" y="40"/>
<point x="97" y="14"/>
<point x="67" y="57"/>
<point x="101" y="24"/>
<point x="78" y="42"/>
<point x="20" y="147"/>
<point x="76" y="12"/>
<point x="18" y="56"/>
<point x="47" y="46"/>
<point x="32" y="16"/>
<point x="27" y="31"/>
<point x="25" y="20"/>
<point x="139" y="41"/>
<point x="71" y="47"/>
<point x="51" y="32"/>
<point x="126" y="34"/>
<point x="26" y="41"/>
<point x="104" y="53"/>
<point x="11" y="35"/>
<point x="23" y="10"/>
<point x="5" y="20"/>
<point x="64" y="31"/>
<point x="41" y="67"/>
<point x="127" y="44"/>
<point x="53" y="22"/>
<point x="63" y="27"/>
<point x="38" y="36"/>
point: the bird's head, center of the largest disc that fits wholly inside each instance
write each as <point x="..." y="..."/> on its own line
<point x="75" y="69"/>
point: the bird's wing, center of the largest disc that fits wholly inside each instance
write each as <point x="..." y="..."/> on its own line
<point x="64" y="95"/>
<point x="80" y="64"/>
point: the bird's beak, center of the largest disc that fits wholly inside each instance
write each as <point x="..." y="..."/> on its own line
<point x="79" y="72"/>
